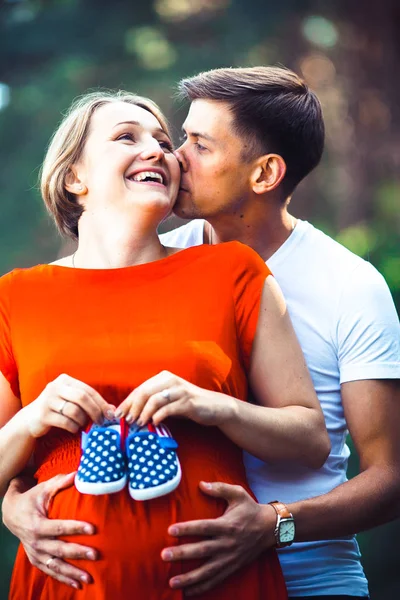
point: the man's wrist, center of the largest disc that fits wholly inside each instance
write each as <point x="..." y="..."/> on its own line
<point x="22" y="483"/>
<point x="269" y="520"/>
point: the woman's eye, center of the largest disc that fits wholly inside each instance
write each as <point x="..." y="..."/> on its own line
<point x="165" y="145"/>
<point x="126" y="136"/>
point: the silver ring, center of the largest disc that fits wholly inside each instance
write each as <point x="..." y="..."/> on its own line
<point x="61" y="409"/>
<point x="165" y="394"/>
<point x="49" y="561"/>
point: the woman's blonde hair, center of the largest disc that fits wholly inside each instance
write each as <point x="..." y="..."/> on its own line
<point x="66" y="147"/>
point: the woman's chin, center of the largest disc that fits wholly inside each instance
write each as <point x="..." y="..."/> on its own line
<point x="159" y="207"/>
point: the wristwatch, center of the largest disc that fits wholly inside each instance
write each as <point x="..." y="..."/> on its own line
<point x="285" y="528"/>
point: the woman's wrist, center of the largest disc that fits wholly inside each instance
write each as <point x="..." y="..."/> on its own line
<point x="21" y="422"/>
<point x="229" y="412"/>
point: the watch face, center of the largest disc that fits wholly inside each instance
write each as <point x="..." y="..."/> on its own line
<point x="286" y="531"/>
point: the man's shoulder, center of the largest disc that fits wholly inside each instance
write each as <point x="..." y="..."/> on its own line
<point x="185" y="236"/>
<point x="326" y="251"/>
<point x="359" y="289"/>
<point x="316" y="238"/>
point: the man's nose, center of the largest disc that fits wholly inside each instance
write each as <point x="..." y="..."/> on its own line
<point x="181" y="159"/>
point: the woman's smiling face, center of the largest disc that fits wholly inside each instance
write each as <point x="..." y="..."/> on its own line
<point x="127" y="162"/>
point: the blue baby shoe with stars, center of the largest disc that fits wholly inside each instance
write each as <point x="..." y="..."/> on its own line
<point x="153" y="466"/>
<point x="102" y="468"/>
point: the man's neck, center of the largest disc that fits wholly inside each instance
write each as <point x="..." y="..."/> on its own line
<point x="265" y="234"/>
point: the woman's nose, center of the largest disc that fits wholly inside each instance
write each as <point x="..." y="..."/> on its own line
<point x="152" y="150"/>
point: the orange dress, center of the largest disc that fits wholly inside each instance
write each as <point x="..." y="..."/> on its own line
<point x="193" y="313"/>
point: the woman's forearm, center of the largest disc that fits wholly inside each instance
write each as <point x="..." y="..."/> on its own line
<point x="16" y="446"/>
<point x="293" y="433"/>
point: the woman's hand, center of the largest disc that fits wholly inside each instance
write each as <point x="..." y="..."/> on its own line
<point x="167" y="395"/>
<point x="66" y="403"/>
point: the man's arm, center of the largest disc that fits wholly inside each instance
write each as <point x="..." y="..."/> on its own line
<point x="25" y="515"/>
<point x="372" y="410"/>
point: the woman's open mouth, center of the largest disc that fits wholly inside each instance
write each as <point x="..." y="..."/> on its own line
<point x="155" y="177"/>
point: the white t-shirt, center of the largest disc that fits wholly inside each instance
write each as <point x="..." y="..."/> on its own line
<point x="347" y="325"/>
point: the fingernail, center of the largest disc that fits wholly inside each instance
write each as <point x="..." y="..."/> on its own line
<point x="140" y="422"/>
<point x="91" y="555"/>
<point x="118" y="413"/>
<point x="167" y="555"/>
<point x="85" y="578"/>
<point x="174" y="531"/>
<point x="110" y="414"/>
<point x="208" y="486"/>
<point x="129" y="418"/>
<point x="175" y="582"/>
<point x="87" y="529"/>
<point x="76" y="585"/>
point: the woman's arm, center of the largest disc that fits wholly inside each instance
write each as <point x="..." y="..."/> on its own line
<point x="66" y="403"/>
<point x="15" y="445"/>
<point x="287" y="425"/>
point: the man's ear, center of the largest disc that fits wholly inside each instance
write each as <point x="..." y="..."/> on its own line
<point x="73" y="183"/>
<point x="268" y="173"/>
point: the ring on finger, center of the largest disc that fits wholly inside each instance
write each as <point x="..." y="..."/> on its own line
<point x="49" y="561"/>
<point x="166" y="394"/>
<point x="63" y="405"/>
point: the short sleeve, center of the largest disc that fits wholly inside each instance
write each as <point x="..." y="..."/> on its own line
<point x="250" y="273"/>
<point x="185" y="236"/>
<point x="368" y="333"/>
<point x="8" y="365"/>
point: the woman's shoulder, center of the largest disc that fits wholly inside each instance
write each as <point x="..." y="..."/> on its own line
<point x="228" y="266"/>
<point x="240" y="257"/>
<point x="236" y="248"/>
<point x="20" y="276"/>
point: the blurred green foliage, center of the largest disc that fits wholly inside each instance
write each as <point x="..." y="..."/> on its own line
<point x="53" y="50"/>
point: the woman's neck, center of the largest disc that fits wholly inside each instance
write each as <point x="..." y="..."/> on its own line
<point x="116" y="244"/>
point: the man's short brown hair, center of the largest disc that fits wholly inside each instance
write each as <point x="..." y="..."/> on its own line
<point x="274" y="111"/>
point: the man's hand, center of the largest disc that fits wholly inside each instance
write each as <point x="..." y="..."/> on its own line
<point x="25" y="515"/>
<point x="237" y="538"/>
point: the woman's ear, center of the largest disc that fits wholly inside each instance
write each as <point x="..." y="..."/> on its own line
<point x="268" y="173"/>
<point x="73" y="184"/>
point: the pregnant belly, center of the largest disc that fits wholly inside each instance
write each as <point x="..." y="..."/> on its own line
<point x="130" y="535"/>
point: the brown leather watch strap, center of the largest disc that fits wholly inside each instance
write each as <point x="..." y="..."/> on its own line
<point x="281" y="509"/>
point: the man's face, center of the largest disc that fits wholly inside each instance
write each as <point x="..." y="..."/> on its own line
<point x="215" y="178"/>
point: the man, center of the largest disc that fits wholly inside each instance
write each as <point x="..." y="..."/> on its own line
<point x="251" y="136"/>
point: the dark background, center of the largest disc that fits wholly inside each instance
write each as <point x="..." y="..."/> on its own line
<point x="348" y="51"/>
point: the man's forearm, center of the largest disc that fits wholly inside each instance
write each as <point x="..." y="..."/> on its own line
<point x="368" y="500"/>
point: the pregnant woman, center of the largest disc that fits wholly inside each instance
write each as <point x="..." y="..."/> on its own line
<point x="168" y="335"/>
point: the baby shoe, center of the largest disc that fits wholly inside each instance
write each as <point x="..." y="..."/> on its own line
<point x="153" y="466"/>
<point x="102" y="469"/>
